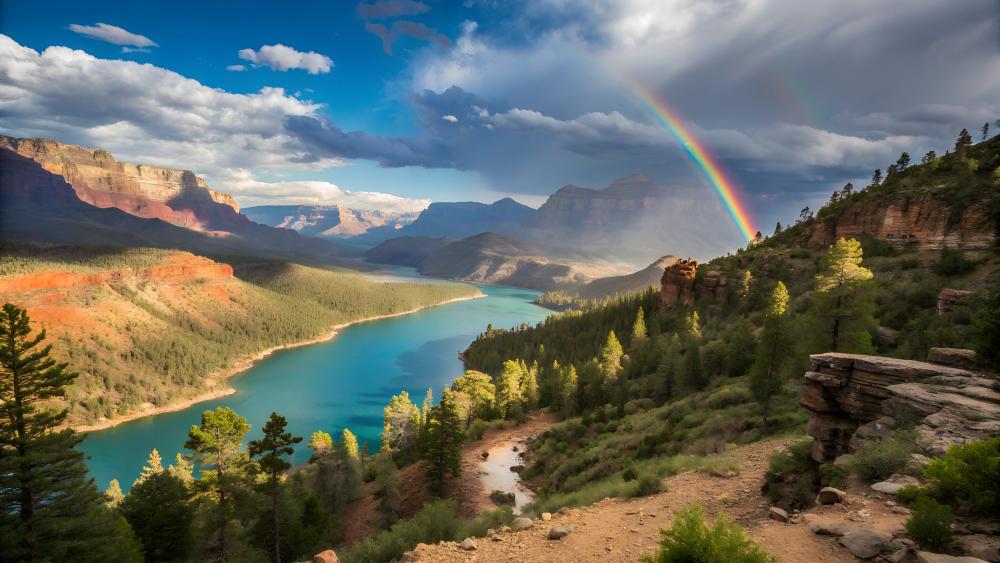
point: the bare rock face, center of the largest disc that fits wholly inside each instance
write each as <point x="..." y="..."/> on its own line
<point x="948" y="298"/>
<point x="960" y="358"/>
<point x="712" y="286"/>
<point x="328" y="556"/>
<point x="910" y="219"/>
<point x="855" y="398"/>
<point x="677" y="283"/>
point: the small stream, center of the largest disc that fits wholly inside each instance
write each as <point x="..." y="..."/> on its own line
<point x="497" y="476"/>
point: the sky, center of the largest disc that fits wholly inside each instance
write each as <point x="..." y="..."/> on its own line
<point x="392" y="104"/>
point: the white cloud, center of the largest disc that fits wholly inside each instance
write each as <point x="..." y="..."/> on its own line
<point x="283" y="58"/>
<point x="236" y="68"/>
<point x="113" y="34"/>
<point x="450" y="118"/>
<point x="250" y="191"/>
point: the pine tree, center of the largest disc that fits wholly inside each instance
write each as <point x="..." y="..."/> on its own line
<point x="777" y="228"/>
<point x="508" y="388"/>
<point x="349" y="442"/>
<point x="425" y="419"/>
<point x="217" y="446"/>
<point x="159" y="511"/>
<point x="400" y="427"/>
<point x="182" y="469"/>
<point x="929" y="157"/>
<point x="904" y="161"/>
<point x="569" y="391"/>
<point x="638" y="330"/>
<point x="50" y="510"/>
<point x="693" y="326"/>
<point x="986" y="331"/>
<point x="445" y="442"/>
<point x="843" y="305"/>
<point x="481" y="393"/>
<point x="271" y="451"/>
<point x="876" y="178"/>
<point x="611" y="357"/>
<point x="772" y="352"/>
<point x="113" y="495"/>
<point x="153" y="466"/>
<point x="694" y="373"/>
<point x="985" y="130"/>
<point x="740" y="347"/>
<point x="963" y="142"/>
<point x="387" y="489"/>
<point x="804" y="216"/>
<point x="529" y="385"/>
<point x="320" y="442"/>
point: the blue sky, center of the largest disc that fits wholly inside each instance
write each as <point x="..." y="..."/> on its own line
<point x="394" y="103"/>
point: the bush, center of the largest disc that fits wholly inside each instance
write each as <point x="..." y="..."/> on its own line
<point x="967" y="477"/>
<point x="476" y="430"/>
<point x="930" y="524"/>
<point x="689" y="540"/>
<point x="875" y="461"/>
<point x="792" y="477"/>
<point x="646" y="484"/>
<point x="953" y="262"/>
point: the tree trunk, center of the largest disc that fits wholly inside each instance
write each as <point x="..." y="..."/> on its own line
<point x="274" y="519"/>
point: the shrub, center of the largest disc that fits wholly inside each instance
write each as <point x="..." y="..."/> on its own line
<point x="967" y="477"/>
<point x="476" y="430"/>
<point x="877" y="460"/>
<point x="646" y="484"/>
<point x="930" y="524"/>
<point x="832" y="475"/>
<point x="953" y="262"/>
<point x="792" y="477"/>
<point x="689" y="540"/>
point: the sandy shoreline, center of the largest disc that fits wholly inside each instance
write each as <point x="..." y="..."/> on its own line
<point x="242" y="364"/>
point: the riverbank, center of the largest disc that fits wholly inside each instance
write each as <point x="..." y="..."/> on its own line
<point x="243" y="363"/>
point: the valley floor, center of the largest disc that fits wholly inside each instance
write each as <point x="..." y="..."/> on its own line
<point x="628" y="529"/>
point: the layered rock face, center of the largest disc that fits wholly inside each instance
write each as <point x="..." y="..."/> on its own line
<point x="854" y="398"/>
<point x="905" y="219"/>
<point x="595" y="211"/>
<point x="327" y="220"/>
<point x="679" y="284"/>
<point x="175" y="196"/>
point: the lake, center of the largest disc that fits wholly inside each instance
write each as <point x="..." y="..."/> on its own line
<point x="344" y="382"/>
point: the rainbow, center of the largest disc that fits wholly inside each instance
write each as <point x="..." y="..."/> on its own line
<point x="698" y="154"/>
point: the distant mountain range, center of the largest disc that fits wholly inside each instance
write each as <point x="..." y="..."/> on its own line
<point x="329" y="221"/>
<point x="54" y="192"/>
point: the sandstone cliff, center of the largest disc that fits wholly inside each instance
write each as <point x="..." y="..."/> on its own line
<point x="328" y="221"/>
<point x="175" y="196"/>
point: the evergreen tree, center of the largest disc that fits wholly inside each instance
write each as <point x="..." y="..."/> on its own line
<point x="387" y="489"/>
<point x="49" y="509"/>
<point x="772" y="352"/>
<point x="804" y="216"/>
<point x="425" y="419"/>
<point x="529" y="385"/>
<point x="445" y="442"/>
<point x="508" y="388"/>
<point x="611" y="357"/>
<point x="876" y="178"/>
<point x="320" y="442"/>
<point x="271" y="451"/>
<point x="777" y="228"/>
<point x="985" y="130"/>
<point x="746" y="285"/>
<point x="986" y="332"/>
<point x="159" y="511"/>
<point x="400" y="427"/>
<point x="569" y="391"/>
<point x="668" y="369"/>
<point x="183" y="470"/>
<point x="113" y="495"/>
<point x="692" y="326"/>
<point x="740" y="347"/>
<point x="638" y="330"/>
<point x="843" y="303"/>
<point x="963" y="142"/>
<point x="349" y="442"/>
<point x="217" y="446"/>
<point x="694" y="373"/>
<point x="847" y="191"/>
<point x="481" y="393"/>
<point x="154" y="465"/>
<point x="904" y="161"/>
<point x="929" y="157"/>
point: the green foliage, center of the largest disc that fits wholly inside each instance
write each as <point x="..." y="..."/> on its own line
<point x="953" y="262"/>
<point x="689" y="540"/>
<point x="387" y="489"/>
<point x="986" y="331"/>
<point x="967" y="477"/>
<point x="930" y="525"/>
<point x="158" y="510"/>
<point x="792" y="478"/>
<point x="879" y="459"/>
<point x="444" y="450"/>
<point x="49" y="509"/>
<point x="271" y="451"/>
<point x="436" y="521"/>
<point x="843" y="304"/>
<point x="768" y="373"/>
<point x="401" y="427"/>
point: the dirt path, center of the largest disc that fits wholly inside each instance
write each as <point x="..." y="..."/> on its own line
<point x="626" y="530"/>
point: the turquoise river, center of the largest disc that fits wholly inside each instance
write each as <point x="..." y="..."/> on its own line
<point x="343" y="382"/>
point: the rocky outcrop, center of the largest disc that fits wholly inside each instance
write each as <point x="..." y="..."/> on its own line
<point x="854" y="398"/>
<point x="949" y="298"/>
<point x="175" y="196"/>
<point x="677" y="283"/>
<point x="918" y="219"/>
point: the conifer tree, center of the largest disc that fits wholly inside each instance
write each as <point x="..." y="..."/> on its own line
<point x="638" y="330"/>
<point x="986" y="331"/>
<point x="154" y="465"/>
<point x="113" y="495"/>
<point x="876" y="178"/>
<point x="611" y="357"/>
<point x="182" y="469"/>
<point x="217" y="446"/>
<point x="904" y="161"/>
<point x="508" y="388"/>
<point x="445" y="442"/>
<point x="694" y="373"/>
<point x="425" y="419"/>
<point x="271" y="451"/>
<point x="843" y="304"/>
<point x="963" y="142"/>
<point x="349" y="442"/>
<point x="777" y="228"/>
<point x="529" y="385"/>
<point x="387" y="489"/>
<point x="481" y="393"/>
<point x="772" y="352"/>
<point x="400" y="427"/>
<point x="928" y="158"/>
<point x="50" y="510"/>
<point x="985" y="130"/>
<point x="693" y="326"/>
<point x="569" y="391"/>
<point x="159" y="511"/>
<point x="320" y="442"/>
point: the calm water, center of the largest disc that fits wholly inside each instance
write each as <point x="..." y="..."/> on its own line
<point x="343" y="382"/>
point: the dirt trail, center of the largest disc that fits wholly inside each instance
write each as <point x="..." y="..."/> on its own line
<point x="627" y="529"/>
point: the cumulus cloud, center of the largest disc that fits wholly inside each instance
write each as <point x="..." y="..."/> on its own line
<point x="390" y="9"/>
<point x="284" y="58"/>
<point x="326" y="140"/>
<point x="450" y="118"/>
<point x="115" y="35"/>
<point x="250" y="191"/>
<point x="406" y="28"/>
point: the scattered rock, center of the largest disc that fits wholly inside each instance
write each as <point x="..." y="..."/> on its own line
<point x="559" y="532"/>
<point x="517" y="468"/>
<point x="981" y="546"/>
<point x="918" y="462"/>
<point x="887" y="488"/>
<point x="865" y="544"/>
<point x="830" y="495"/>
<point x="829" y="528"/>
<point x="328" y="556"/>
<point x="928" y="557"/>
<point x="485" y="455"/>
<point x="775" y="513"/>
<point x="521" y="523"/>
<point x="516" y="449"/>
<point x="844" y="461"/>
<point x="468" y="544"/>
<point x="901" y="510"/>
<point x="546" y="516"/>
<point x="563" y="511"/>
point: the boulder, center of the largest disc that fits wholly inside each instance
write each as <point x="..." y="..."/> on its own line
<point x="485" y="455"/>
<point x="328" y="556"/>
<point x="830" y="495"/>
<point x="521" y="523"/>
<point x="961" y="358"/>
<point x="928" y="557"/>
<point x="559" y="532"/>
<point x="546" y="516"/>
<point x="980" y="545"/>
<point x="775" y="513"/>
<point x="865" y="544"/>
<point x="833" y="528"/>
<point x="888" y="488"/>
<point x="468" y="544"/>
<point x="677" y="283"/>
